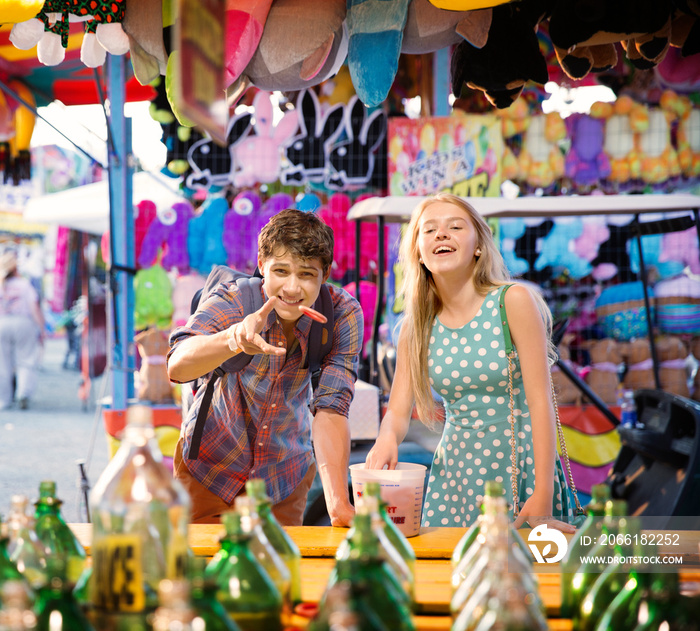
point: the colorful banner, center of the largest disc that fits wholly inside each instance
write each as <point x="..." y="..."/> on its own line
<point x="459" y="154"/>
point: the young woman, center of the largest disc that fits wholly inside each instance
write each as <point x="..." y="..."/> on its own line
<point x="452" y="339"/>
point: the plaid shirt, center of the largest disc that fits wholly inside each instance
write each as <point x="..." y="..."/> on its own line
<point x="259" y="424"/>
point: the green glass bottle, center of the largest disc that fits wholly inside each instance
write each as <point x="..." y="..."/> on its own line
<point x="263" y="550"/>
<point x="140" y="520"/>
<point x="596" y="563"/>
<point x="56" y="608"/>
<point x="245" y="589"/>
<point x="16" y="612"/>
<point x="345" y="609"/>
<point x="590" y="530"/>
<point x="367" y="505"/>
<point x="8" y="568"/>
<point x="611" y="581"/>
<point x="391" y="530"/>
<point x="55" y="534"/>
<point x="24" y="548"/>
<point x="365" y="565"/>
<point x="277" y="535"/>
<point x="661" y="607"/>
<point x="204" y="601"/>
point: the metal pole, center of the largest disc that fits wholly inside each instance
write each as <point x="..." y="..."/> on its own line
<point x="122" y="236"/>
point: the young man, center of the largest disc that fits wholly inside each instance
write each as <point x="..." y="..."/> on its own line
<point x="258" y="423"/>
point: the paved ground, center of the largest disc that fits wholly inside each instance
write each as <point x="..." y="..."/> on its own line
<point x="45" y="441"/>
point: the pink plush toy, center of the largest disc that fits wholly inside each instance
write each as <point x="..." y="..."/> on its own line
<point x="245" y="21"/>
<point x="170" y="228"/>
<point x="257" y="157"/>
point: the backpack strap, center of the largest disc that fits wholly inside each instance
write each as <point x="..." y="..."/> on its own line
<point x="320" y="335"/>
<point x="251" y="298"/>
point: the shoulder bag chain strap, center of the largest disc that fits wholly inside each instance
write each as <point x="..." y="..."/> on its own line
<point x="511" y="353"/>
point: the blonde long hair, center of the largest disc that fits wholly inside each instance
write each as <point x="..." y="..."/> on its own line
<point x="422" y="302"/>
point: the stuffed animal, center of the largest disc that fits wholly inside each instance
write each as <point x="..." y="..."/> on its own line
<point x="240" y="236"/>
<point x="672" y="353"/>
<point x="48" y="31"/>
<point x="168" y="229"/>
<point x="677" y="301"/>
<point x="144" y="24"/>
<point x="621" y="310"/>
<point x="659" y="160"/>
<point x="245" y="21"/>
<point x="154" y="385"/>
<point x="429" y="28"/>
<point x="682" y="246"/>
<point x="640" y="368"/>
<point x="304" y="43"/>
<point x="257" y="158"/>
<point x="489" y="65"/>
<point x="204" y="237"/>
<point x="586" y="163"/>
<point x="623" y="120"/>
<point x="541" y="161"/>
<point x="566" y="390"/>
<point x="695" y="350"/>
<point x="375" y="32"/>
<point x="184" y="289"/>
<point x="689" y="140"/>
<point x="153" y="304"/>
<point x="606" y="359"/>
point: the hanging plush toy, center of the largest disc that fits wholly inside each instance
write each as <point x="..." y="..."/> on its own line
<point x="153" y="298"/>
<point x="169" y="229"/>
<point x="204" y="238"/>
<point x="555" y="251"/>
<point x="586" y="163"/>
<point x="689" y="139"/>
<point x="659" y="158"/>
<point x="48" y="31"/>
<point x="245" y="21"/>
<point x="240" y="236"/>
<point x="623" y="120"/>
<point x="541" y="160"/>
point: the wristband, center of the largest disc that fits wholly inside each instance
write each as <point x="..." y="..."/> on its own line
<point x="231" y="341"/>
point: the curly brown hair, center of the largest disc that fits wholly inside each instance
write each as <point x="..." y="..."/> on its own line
<point x="298" y="233"/>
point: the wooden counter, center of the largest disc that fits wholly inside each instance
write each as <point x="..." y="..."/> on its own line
<point x="433" y="548"/>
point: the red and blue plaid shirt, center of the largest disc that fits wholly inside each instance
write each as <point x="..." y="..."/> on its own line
<point x="259" y="423"/>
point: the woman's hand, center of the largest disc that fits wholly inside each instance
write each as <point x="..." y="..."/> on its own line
<point x="384" y="452"/>
<point x="538" y="510"/>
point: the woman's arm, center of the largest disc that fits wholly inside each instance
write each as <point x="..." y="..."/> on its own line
<point x="394" y="425"/>
<point x="530" y="340"/>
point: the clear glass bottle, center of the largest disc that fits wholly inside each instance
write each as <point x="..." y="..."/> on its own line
<point x="494" y="532"/>
<point x="175" y="611"/>
<point x="140" y="522"/>
<point x="55" y="534"/>
<point x="244" y="587"/>
<point x="263" y="550"/>
<point x="491" y="489"/>
<point x="16" y="612"/>
<point x="368" y="505"/>
<point x="366" y="568"/>
<point x="277" y="536"/>
<point x="590" y="530"/>
<point x="56" y="608"/>
<point x="24" y="548"/>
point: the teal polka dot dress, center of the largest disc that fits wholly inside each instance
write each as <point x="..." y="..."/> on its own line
<point x="469" y="369"/>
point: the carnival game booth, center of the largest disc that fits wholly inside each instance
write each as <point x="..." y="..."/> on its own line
<point x="590" y="420"/>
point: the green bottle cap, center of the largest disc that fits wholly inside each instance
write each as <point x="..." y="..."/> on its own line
<point x="255" y="487"/>
<point x="600" y="492"/>
<point x="615" y="508"/>
<point x="373" y="488"/>
<point x="493" y="488"/>
<point x="47" y="488"/>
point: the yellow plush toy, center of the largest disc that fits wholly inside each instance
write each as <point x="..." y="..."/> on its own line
<point x="541" y="162"/>
<point x="689" y="139"/>
<point x="659" y="158"/>
<point x="624" y="119"/>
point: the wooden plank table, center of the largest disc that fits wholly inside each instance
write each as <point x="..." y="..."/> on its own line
<point x="433" y="548"/>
